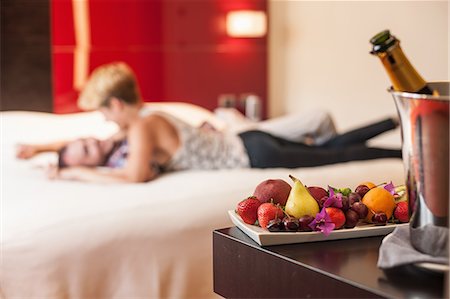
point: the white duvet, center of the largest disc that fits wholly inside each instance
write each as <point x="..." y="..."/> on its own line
<point x="63" y="239"/>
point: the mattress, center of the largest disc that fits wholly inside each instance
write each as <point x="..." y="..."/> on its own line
<point x="64" y="239"/>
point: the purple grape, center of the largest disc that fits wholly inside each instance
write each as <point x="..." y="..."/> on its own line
<point x="345" y="203"/>
<point x="379" y="219"/>
<point x="353" y="197"/>
<point x="361" y="209"/>
<point x="290" y="224"/>
<point x="351" y="219"/>
<point x="303" y="223"/>
<point x="275" y="225"/>
<point x="362" y="190"/>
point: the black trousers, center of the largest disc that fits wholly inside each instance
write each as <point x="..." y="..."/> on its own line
<point x="268" y="151"/>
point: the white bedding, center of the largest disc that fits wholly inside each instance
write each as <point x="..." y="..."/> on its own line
<point x="77" y="240"/>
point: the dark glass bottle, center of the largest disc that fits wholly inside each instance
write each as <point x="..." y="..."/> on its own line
<point x="403" y="75"/>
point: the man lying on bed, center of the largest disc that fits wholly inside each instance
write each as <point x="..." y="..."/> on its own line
<point x="157" y="140"/>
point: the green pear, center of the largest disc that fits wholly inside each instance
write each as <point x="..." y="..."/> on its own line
<point x="300" y="202"/>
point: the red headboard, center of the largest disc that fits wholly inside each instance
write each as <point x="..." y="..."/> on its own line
<point x="179" y="49"/>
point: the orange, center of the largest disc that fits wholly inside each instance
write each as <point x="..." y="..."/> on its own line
<point x="370" y="185"/>
<point x="379" y="200"/>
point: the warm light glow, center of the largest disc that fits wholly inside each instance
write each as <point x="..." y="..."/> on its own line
<point x="82" y="28"/>
<point x="246" y="23"/>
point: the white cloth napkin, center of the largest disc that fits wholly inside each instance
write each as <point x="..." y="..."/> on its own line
<point x="396" y="250"/>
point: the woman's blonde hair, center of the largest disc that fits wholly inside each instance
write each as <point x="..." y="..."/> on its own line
<point x="110" y="80"/>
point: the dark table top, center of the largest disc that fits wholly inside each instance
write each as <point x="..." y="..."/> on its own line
<point x="353" y="261"/>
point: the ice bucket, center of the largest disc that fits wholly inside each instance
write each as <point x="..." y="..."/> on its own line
<point x="425" y="132"/>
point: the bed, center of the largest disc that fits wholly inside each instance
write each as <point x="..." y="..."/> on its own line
<point x="62" y="239"/>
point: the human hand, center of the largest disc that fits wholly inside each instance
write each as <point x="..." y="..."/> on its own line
<point x="68" y="173"/>
<point x="73" y="173"/>
<point x="52" y="171"/>
<point x="26" y="151"/>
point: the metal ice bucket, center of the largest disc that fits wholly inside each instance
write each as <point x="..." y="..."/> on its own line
<point x="425" y="133"/>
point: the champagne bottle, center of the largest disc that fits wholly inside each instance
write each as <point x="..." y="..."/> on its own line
<point x="402" y="74"/>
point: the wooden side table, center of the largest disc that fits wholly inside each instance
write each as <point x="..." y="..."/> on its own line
<point x="330" y="269"/>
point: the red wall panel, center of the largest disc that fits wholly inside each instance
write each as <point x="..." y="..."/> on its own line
<point x="178" y="48"/>
<point x="62" y="23"/>
<point x="125" y="23"/>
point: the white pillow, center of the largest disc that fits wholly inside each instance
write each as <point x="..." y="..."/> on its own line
<point x="41" y="127"/>
<point x="192" y="114"/>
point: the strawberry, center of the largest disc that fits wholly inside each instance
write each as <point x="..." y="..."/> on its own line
<point x="336" y="216"/>
<point x="247" y="209"/>
<point x="401" y="211"/>
<point x="268" y="211"/>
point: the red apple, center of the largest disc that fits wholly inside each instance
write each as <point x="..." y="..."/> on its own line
<point x="273" y="189"/>
<point x="317" y="192"/>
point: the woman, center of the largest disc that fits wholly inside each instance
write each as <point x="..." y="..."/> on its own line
<point x="171" y="144"/>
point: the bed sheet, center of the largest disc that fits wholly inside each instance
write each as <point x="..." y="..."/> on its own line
<point x="153" y="240"/>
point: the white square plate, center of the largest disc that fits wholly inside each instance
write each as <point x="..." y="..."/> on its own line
<point x="264" y="238"/>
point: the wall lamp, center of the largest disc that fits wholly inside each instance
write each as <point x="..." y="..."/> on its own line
<point x="246" y="23"/>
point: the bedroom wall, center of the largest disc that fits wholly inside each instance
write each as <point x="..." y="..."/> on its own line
<point x="319" y="54"/>
<point x="179" y="49"/>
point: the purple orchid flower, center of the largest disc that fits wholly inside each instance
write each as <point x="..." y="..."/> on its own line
<point x="322" y="223"/>
<point x="333" y="200"/>
<point x="390" y="188"/>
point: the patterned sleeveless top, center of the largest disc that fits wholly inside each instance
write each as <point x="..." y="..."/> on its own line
<point x="204" y="149"/>
<point x="118" y="155"/>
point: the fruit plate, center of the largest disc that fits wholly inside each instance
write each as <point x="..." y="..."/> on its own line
<point x="266" y="238"/>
